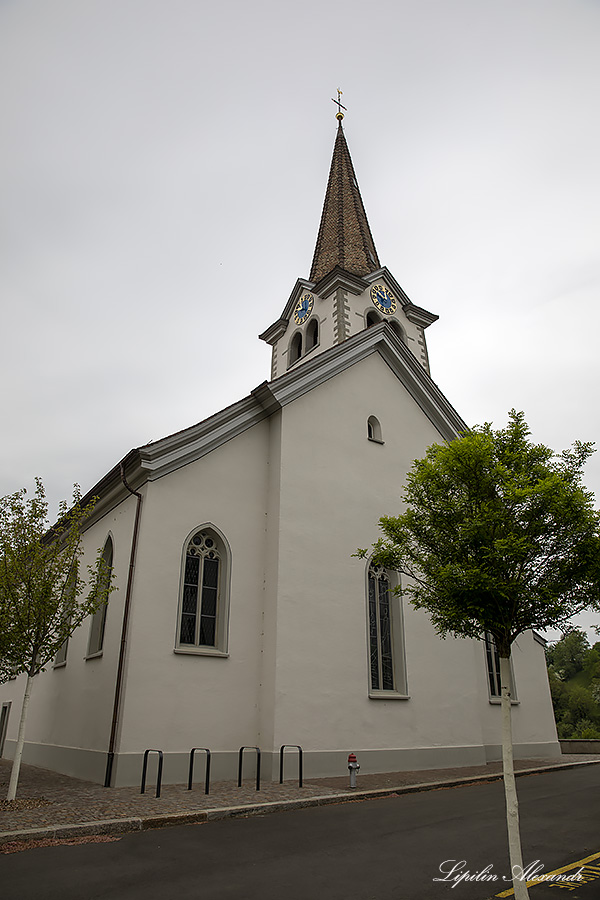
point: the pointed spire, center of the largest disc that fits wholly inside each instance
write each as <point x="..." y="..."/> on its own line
<point x="344" y="237"/>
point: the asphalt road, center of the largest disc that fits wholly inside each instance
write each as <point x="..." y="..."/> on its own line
<point x="385" y="849"/>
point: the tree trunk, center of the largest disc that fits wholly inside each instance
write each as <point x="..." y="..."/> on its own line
<point x="16" y="766"/>
<point x="510" y="787"/>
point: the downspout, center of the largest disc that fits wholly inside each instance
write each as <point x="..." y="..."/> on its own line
<point x="121" y="665"/>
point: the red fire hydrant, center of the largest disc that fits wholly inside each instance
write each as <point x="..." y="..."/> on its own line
<point x="353" y="768"/>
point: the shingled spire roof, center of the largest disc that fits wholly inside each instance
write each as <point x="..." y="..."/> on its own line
<point x="344" y="237"/>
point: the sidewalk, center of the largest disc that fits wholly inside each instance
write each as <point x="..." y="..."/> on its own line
<point x="52" y="806"/>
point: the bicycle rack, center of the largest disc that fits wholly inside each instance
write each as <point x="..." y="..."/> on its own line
<point x="241" y="754"/>
<point x="295" y="747"/>
<point x="158" y="774"/>
<point x="207" y="771"/>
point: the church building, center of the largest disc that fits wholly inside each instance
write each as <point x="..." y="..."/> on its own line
<point x="241" y="616"/>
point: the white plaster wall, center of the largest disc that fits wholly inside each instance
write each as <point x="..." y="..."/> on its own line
<point x="532" y="713"/>
<point x="174" y="701"/>
<point x="71" y="706"/>
<point x="335" y="484"/>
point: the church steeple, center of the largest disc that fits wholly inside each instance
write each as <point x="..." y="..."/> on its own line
<point x="344" y="237"/>
<point x="348" y="290"/>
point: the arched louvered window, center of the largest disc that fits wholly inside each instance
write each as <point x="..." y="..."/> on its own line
<point x="98" y="624"/>
<point x="202" y="620"/>
<point x="387" y="671"/>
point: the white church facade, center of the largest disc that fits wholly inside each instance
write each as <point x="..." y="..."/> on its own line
<point x="241" y="616"/>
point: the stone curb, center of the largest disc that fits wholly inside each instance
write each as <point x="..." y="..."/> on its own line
<point x="126" y="825"/>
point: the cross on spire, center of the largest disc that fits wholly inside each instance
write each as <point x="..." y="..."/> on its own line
<point x="339" y="114"/>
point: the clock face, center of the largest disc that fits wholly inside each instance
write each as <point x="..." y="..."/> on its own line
<point x="383" y="299"/>
<point x="303" y="308"/>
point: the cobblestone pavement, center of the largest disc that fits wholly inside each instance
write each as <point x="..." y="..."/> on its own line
<point x="48" y="800"/>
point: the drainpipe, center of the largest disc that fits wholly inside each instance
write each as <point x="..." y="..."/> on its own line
<point x="121" y="665"/>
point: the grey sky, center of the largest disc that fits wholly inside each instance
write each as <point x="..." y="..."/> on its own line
<point x="163" y="170"/>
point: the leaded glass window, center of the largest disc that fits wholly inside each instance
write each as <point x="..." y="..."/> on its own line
<point x="201" y="591"/>
<point x="380" y="630"/>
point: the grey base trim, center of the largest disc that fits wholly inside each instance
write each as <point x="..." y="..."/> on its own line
<point x="542" y="750"/>
<point x="91" y="764"/>
<point x="580" y="746"/>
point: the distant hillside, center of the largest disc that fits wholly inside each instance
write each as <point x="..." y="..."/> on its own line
<point x="574" y="675"/>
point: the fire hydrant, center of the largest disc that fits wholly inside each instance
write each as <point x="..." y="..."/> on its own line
<point x="353" y="768"/>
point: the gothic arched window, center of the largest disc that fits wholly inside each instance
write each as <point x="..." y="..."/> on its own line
<point x="98" y="624"/>
<point x="386" y="640"/>
<point x="203" y="605"/>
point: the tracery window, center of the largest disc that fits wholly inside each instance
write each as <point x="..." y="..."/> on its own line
<point x="202" y="619"/>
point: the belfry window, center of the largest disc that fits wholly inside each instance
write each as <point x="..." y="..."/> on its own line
<point x="295" y="348"/>
<point x="397" y="329"/>
<point x="372" y="318"/>
<point x="203" y="612"/>
<point x="312" y="334"/>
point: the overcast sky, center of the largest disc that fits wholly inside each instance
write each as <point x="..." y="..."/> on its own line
<point x="162" y="173"/>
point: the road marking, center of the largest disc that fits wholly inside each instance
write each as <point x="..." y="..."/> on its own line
<point x="589" y="873"/>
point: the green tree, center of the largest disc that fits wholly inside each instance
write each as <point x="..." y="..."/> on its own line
<point x="568" y="656"/>
<point x="42" y="598"/>
<point x="499" y="535"/>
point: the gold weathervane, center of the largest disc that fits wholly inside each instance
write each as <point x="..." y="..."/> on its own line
<point x="339" y="114"/>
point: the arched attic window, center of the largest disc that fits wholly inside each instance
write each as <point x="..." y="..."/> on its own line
<point x="374" y="429"/>
<point x="295" y="351"/>
<point x="312" y="334"/>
